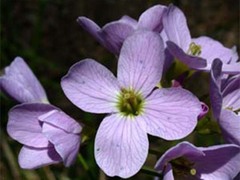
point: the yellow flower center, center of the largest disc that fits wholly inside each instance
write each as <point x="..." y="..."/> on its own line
<point x="130" y="103"/>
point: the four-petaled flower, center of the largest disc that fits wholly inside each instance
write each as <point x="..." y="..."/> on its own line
<point x="197" y="53"/>
<point x="134" y="105"/>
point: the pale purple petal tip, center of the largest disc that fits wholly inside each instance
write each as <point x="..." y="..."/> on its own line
<point x="24" y="126"/>
<point x="142" y="52"/>
<point x="115" y="33"/>
<point x="65" y="143"/>
<point x="32" y="158"/>
<point x="230" y="125"/>
<point x="151" y="19"/>
<point x="91" y="27"/>
<point x="121" y="146"/>
<point x="219" y="162"/>
<point x="61" y="120"/>
<point x="212" y="49"/>
<point x="128" y="20"/>
<point x="175" y="25"/>
<point x="91" y="87"/>
<point x="21" y="84"/>
<point x="171" y="113"/>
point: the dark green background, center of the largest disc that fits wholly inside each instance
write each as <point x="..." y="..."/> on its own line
<point x="45" y="33"/>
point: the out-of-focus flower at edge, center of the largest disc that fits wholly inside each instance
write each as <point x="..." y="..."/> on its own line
<point x="112" y="35"/>
<point x="135" y="108"/>
<point x="21" y="84"/>
<point x="226" y="102"/>
<point x="49" y="135"/>
<point x="185" y="161"/>
<point x="197" y="53"/>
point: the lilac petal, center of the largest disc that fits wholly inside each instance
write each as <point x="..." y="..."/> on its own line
<point x="21" y="84"/>
<point x="175" y="25"/>
<point x="171" y="113"/>
<point x="91" y="27"/>
<point x="230" y="125"/>
<point x="168" y="56"/>
<point x="128" y="20"/>
<point x="61" y="120"/>
<point x="192" y="61"/>
<point x="232" y="100"/>
<point x="232" y="84"/>
<point x="185" y="149"/>
<point x="151" y="19"/>
<point x="115" y="33"/>
<point x="233" y="68"/>
<point x="121" y="145"/>
<point x="212" y="49"/>
<point x="66" y="144"/>
<point x="220" y="162"/>
<point x="215" y="92"/>
<point x="32" y="158"/>
<point x="168" y="173"/>
<point x="24" y="126"/>
<point x="141" y="61"/>
<point x="91" y="87"/>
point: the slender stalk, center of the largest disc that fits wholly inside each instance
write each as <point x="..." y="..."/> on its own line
<point x="10" y="157"/>
<point x="151" y="172"/>
<point x="82" y="161"/>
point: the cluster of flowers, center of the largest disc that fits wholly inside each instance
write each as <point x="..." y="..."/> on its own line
<point x="135" y="105"/>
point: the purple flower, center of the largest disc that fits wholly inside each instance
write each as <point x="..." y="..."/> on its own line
<point x="48" y="135"/>
<point x="21" y="84"/>
<point x="185" y="161"/>
<point x="134" y="106"/>
<point x="112" y="35"/>
<point x="197" y="53"/>
<point x="225" y="102"/>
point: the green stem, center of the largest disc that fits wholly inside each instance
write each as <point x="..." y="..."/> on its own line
<point x="82" y="161"/>
<point x="151" y="172"/>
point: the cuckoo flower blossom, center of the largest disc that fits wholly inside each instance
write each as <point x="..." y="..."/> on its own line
<point x="197" y="53"/>
<point x="112" y="35"/>
<point x="134" y="106"/>
<point x="225" y="102"/>
<point x="185" y="161"/>
<point x="48" y="135"/>
<point x="21" y="84"/>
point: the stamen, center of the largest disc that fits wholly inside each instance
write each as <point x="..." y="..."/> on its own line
<point x="193" y="171"/>
<point x="194" y="49"/>
<point x="130" y="103"/>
